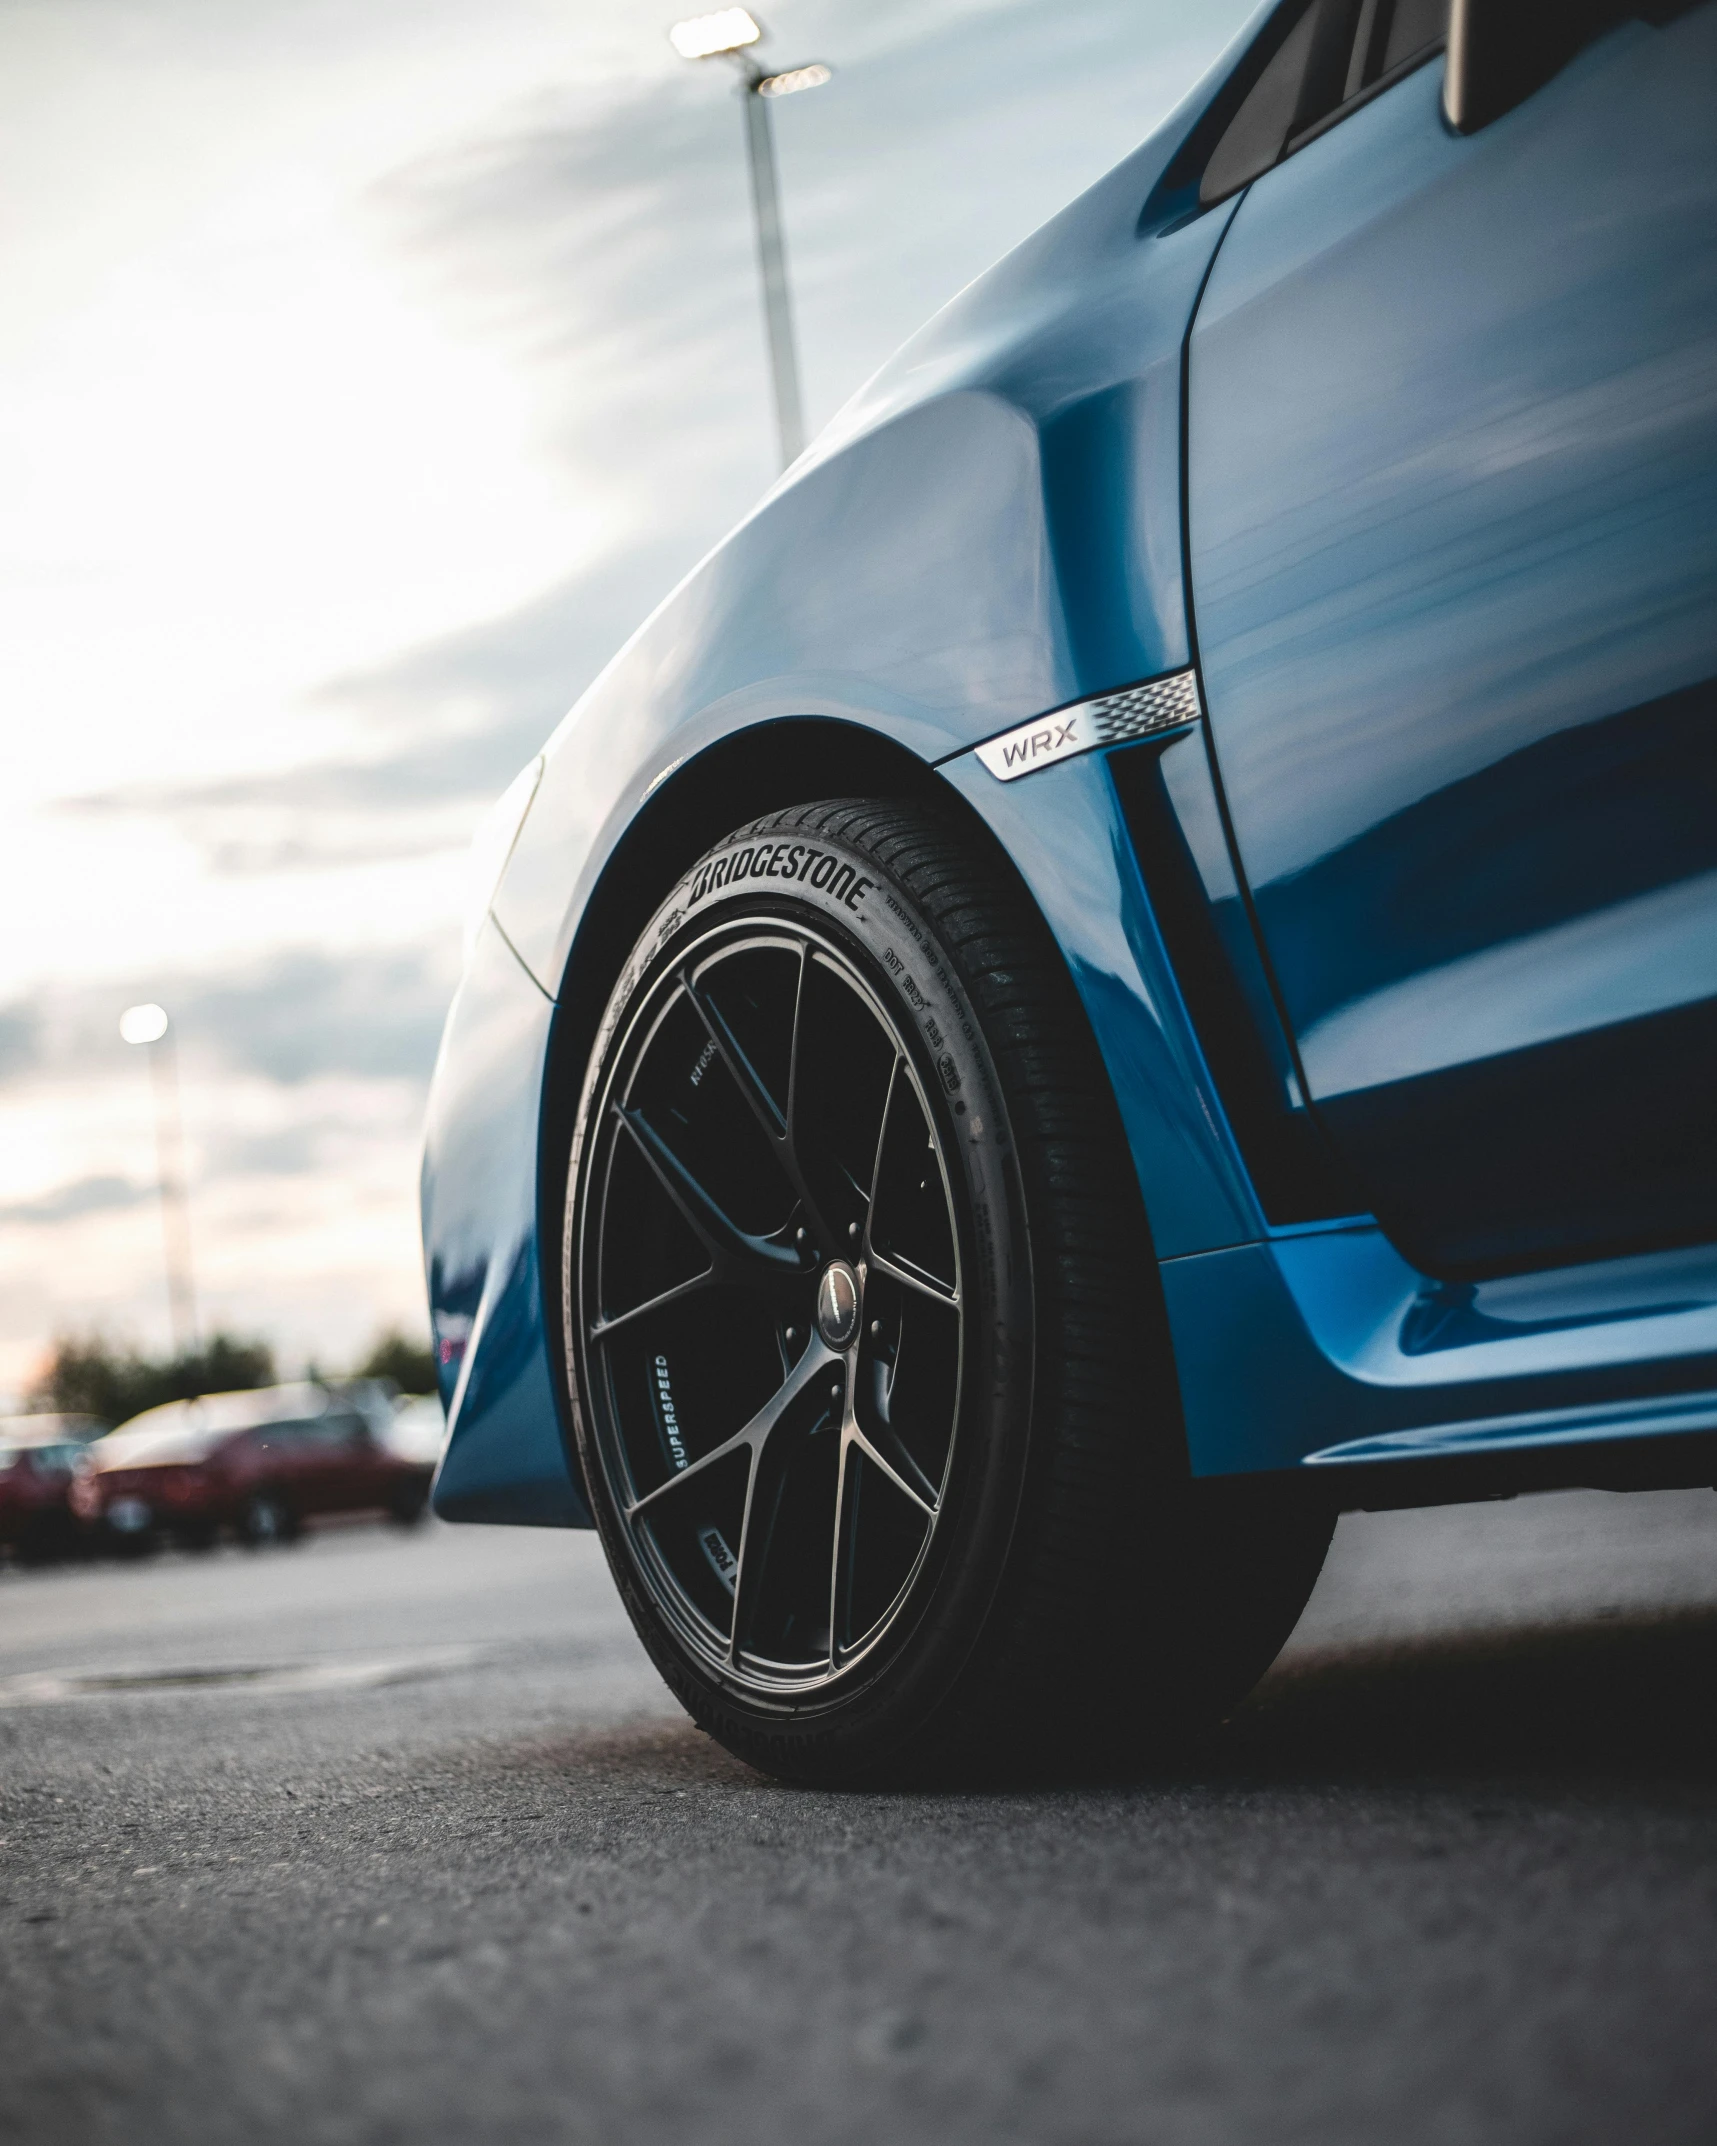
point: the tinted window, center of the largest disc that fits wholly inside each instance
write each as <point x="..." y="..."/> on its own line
<point x="1414" y="27"/>
<point x="1257" y="132"/>
<point x="1333" y="50"/>
<point x="302" y="1435"/>
<point x="333" y="1431"/>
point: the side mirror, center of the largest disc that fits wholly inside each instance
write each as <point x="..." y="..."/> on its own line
<point x="1501" y="51"/>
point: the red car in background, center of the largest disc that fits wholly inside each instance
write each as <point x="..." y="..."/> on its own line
<point x="257" y="1464"/>
<point x="39" y="1457"/>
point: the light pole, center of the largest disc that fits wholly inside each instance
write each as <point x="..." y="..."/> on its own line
<point x="726" y="35"/>
<point x="148" y="1025"/>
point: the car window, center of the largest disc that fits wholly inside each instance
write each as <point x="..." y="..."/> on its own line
<point x="288" y="1436"/>
<point x="318" y="1432"/>
<point x="173" y="1441"/>
<point x="1413" y="27"/>
<point x="1316" y="61"/>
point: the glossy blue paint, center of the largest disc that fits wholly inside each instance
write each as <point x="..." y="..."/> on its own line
<point x="504" y="1457"/>
<point x="1453" y="508"/>
<point x="1065" y="832"/>
<point x="1293" y="1344"/>
<point x="1350" y="1355"/>
<point x="1006" y="497"/>
<point x="1173" y="811"/>
<point x="1433" y="794"/>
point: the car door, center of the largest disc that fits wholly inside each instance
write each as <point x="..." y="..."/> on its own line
<point x="1452" y="510"/>
<point x="287" y="1463"/>
<point x="335" y="1450"/>
<point x="361" y="1469"/>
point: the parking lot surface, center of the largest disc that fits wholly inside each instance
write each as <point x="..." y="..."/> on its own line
<point x="400" y="1838"/>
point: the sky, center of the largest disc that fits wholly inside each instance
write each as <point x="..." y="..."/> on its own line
<point x="367" y="374"/>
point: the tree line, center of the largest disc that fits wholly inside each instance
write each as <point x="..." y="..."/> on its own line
<point x="91" y="1375"/>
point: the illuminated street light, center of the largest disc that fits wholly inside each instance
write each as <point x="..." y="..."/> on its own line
<point x="148" y="1025"/>
<point x="143" y="1024"/>
<point x="709" y="37"/>
<point x="795" y="79"/>
<point x="726" y="35"/>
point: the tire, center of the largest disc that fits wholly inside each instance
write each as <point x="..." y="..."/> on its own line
<point x="868" y="1372"/>
<point x="408" y="1507"/>
<point x="42" y="1545"/>
<point x="266" y="1521"/>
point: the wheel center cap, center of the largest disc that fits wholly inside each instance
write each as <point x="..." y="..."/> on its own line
<point x="838" y="1304"/>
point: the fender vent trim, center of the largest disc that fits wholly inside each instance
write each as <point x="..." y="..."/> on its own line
<point x="1149" y="710"/>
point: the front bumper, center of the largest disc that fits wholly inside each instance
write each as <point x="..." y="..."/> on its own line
<point x="505" y="1455"/>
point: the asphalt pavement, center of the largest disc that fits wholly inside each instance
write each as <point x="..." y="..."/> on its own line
<point x="387" y="1838"/>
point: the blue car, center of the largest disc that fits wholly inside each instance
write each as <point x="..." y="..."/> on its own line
<point x="1131" y="963"/>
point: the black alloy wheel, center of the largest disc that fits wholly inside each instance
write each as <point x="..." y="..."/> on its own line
<point x="865" y="1358"/>
<point x="775" y="1356"/>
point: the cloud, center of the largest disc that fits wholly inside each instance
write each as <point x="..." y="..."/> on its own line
<point x="70" y="1203"/>
<point x="604" y="237"/>
<point x="301" y="1015"/>
<point x="601" y="237"/>
<point x="457" y="717"/>
<point x="517" y="674"/>
<point x="18" y="1042"/>
<point x="292" y="1150"/>
<point x="292" y="1017"/>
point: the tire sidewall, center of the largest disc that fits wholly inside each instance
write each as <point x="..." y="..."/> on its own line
<point x="789" y="868"/>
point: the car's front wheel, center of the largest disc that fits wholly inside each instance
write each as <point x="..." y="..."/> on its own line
<point x="408" y="1504"/>
<point x="867" y="1362"/>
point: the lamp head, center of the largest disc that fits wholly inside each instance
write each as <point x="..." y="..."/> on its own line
<point x="143" y="1024"/>
<point x="794" y="79"/>
<point x="708" y="37"/>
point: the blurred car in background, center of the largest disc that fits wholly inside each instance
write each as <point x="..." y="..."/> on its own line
<point x="256" y="1464"/>
<point x="39" y="1456"/>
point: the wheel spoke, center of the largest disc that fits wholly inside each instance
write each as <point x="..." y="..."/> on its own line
<point x="745" y="1075"/>
<point x="814" y="1363"/>
<point x="881" y="1146"/>
<point x="926" y="1285"/>
<point x="879" y="1262"/>
<point x="778" y="1129"/>
<point x="836" y="1560"/>
<point x="793" y="1050"/>
<point x="741" y="1596"/>
<point x="721" y="1235"/>
<point x="926" y="1505"/>
<point x="604" y="1328"/>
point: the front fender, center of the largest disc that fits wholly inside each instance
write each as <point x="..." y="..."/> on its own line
<point x="967" y="558"/>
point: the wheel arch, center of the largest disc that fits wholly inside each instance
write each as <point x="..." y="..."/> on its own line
<point x="761" y="769"/>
